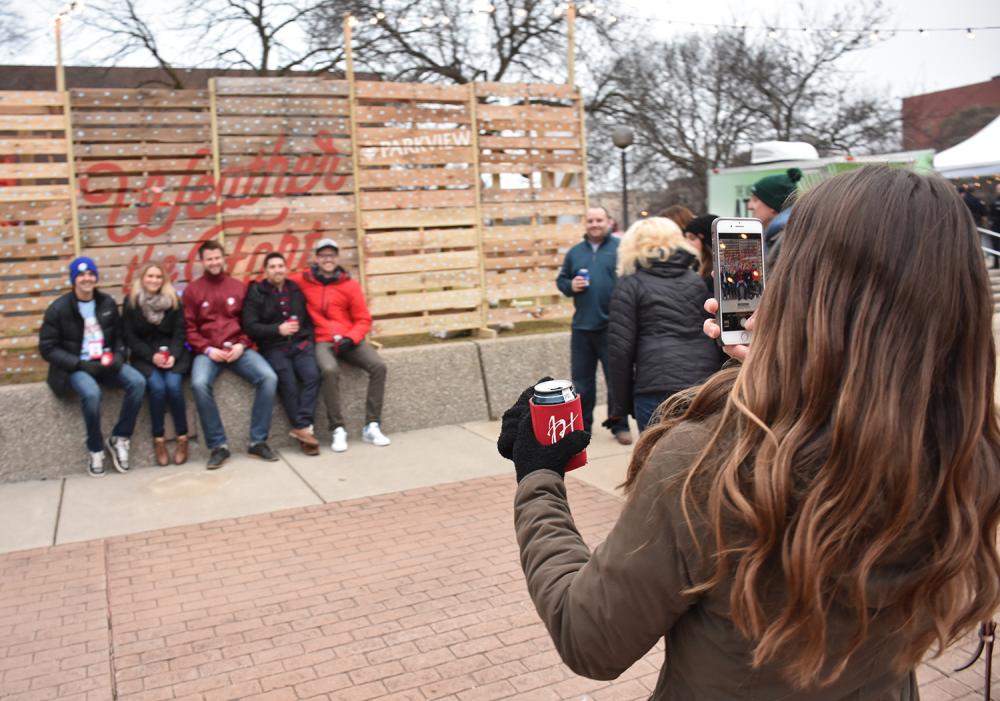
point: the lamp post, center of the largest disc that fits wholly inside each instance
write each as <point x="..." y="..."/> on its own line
<point x="622" y="138"/>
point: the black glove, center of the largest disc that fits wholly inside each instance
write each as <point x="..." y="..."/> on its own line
<point x="344" y="345"/>
<point x="530" y="455"/>
<point x="511" y="418"/>
<point x="116" y="366"/>
<point x="92" y="367"/>
<point x="611" y="421"/>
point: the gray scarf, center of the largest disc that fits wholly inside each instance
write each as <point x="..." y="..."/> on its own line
<point x="153" y="306"/>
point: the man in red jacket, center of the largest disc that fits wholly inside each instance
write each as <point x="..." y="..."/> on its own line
<point x="213" y="305"/>
<point x="340" y="316"/>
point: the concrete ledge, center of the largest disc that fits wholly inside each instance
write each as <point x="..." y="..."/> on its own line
<point x="511" y="364"/>
<point x="41" y="437"/>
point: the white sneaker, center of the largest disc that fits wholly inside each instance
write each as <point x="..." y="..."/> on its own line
<point x="96" y="465"/>
<point x="339" y="444"/>
<point x="373" y="434"/>
<point x="118" y="447"/>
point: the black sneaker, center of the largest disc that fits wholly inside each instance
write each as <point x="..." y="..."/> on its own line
<point x="95" y="465"/>
<point x="218" y="457"/>
<point x="263" y="451"/>
<point x="118" y="449"/>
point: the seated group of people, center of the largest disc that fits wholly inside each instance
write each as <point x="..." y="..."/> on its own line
<point x="303" y="326"/>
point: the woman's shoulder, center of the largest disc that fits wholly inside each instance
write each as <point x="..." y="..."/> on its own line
<point x="677" y="449"/>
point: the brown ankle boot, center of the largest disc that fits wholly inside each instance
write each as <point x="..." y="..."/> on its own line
<point x="160" y="451"/>
<point x="181" y="454"/>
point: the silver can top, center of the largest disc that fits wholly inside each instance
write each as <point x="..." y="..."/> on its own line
<point x="554" y="392"/>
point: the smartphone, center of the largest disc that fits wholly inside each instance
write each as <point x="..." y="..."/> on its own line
<point x="739" y="275"/>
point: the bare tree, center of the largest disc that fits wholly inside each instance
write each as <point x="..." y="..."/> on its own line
<point x="13" y="33"/>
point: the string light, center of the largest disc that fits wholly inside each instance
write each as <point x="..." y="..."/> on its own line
<point x="969" y="34"/>
<point x="373" y="21"/>
<point x="379" y="15"/>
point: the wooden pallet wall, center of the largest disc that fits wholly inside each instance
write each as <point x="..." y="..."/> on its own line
<point x="36" y="226"/>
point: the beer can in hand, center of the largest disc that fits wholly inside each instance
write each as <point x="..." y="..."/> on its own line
<point x="556" y="411"/>
<point x="585" y="274"/>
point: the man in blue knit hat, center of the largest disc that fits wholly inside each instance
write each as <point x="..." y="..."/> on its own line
<point x="81" y="340"/>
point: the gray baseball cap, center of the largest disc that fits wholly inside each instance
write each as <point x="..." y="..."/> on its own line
<point x="326" y="243"/>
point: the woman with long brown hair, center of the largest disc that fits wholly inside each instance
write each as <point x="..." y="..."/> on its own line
<point x="808" y="524"/>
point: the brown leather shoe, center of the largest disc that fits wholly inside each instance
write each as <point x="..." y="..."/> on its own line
<point x="304" y="435"/>
<point x="309" y="449"/>
<point x="181" y="454"/>
<point x="624" y="437"/>
<point x="160" y="451"/>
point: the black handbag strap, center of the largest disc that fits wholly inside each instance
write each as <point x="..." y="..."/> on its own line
<point x="987" y="637"/>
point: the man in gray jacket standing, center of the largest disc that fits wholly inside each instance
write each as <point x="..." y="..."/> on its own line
<point x="596" y="257"/>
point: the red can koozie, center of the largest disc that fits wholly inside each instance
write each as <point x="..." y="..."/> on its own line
<point x="556" y="411"/>
<point x="107" y="358"/>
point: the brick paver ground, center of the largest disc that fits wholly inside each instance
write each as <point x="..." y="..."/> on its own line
<point x="413" y="595"/>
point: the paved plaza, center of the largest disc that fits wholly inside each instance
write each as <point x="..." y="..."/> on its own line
<point x="377" y="574"/>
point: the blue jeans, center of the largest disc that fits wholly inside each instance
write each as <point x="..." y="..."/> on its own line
<point x="166" y="386"/>
<point x="586" y="348"/>
<point x="298" y="382"/>
<point x="252" y="368"/>
<point x="644" y="404"/>
<point x="89" y="389"/>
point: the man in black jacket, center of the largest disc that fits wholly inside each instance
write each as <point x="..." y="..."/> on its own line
<point x="81" y="340"/>
<point x="275" y="317"/>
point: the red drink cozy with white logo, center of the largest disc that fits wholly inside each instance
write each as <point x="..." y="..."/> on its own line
<point x="556" y="411"/>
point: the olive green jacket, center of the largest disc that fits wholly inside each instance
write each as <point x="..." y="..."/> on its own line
<point x="606" y="609"/>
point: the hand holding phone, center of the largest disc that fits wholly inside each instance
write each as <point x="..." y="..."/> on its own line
<point x="712" y="329"/>
<point x="739" y="277"/>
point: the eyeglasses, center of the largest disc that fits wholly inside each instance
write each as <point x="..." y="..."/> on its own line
<point x="326" y="256"/>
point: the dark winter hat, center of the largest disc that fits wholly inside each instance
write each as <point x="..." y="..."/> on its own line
<point x="81" y="264"/>
<point x="701" y="226"/>
<point x="773" y="190"/>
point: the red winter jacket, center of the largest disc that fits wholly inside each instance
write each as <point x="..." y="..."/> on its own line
<point x="336" y="305"/>
<point x="213" y="305"/>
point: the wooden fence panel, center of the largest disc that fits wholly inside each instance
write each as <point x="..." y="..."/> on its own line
<point x="532" y="159"/>
<point x="36" y="227"/>
<point x="285" y="166"/>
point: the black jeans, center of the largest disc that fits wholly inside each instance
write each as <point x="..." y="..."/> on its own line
<point x="586" y="349"/>
<point x="298" y="382"/>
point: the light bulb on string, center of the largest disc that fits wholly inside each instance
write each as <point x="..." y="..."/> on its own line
<point x="373" y="21"/>
<point x="445" y="20"/>
<point x="772" y="32"/>
<point x="969" y="34"/>
<point x="426" y="21"/>
<point x="379" y="15"/>
<point x="835" y="33"/>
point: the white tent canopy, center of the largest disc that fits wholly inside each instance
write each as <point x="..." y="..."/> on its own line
<point x="977" y="155"/>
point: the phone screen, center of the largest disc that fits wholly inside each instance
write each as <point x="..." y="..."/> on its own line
<point x="741" y="277"/>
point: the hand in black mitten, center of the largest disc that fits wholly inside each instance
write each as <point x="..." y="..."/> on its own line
<point x="116" y="365"/>
<point x="511" y="418"/>
<point x="92" y="367"/>
<point x="530" y="455"/>
<point x="344" y="345"/>
<point x="611" y="421"/>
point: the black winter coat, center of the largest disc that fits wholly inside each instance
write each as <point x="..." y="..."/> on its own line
<point x="262" y="316"/>
<point x="143" y="339"/>
<point x="61" y="336"/>
<point x="655" y="338"/>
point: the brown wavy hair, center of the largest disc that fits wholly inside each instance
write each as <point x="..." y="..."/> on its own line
<point x="862" y="425"/>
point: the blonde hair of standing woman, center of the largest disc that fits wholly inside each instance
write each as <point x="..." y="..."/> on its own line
<point x="648" y="240"/>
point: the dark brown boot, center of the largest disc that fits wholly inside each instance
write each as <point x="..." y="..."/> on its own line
<point x="160" y="451"/>
<point x="181" y="454"/>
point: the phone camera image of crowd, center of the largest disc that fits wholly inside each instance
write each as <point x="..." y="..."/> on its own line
<point x="740" y="268"/>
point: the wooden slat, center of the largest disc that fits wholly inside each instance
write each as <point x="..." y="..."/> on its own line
<point x="424" y="280"/>
<point x="449" y="135"/>
<point x="137" y="99"/>
<point x="415" y="154"/>
<point x="326" y="221"/>
<point x="540" y="128"/>
<point x="21" y="325"/>
<point x="16" y="305"/>
<point x="569" y="233"/>
<point x="33" y="98"/>
<point x="426" y="324"/>
<point x="133" y="150"/>
<point x="158" y="119"/>
<point x="551" y="260"/>
<point x="531" y="113"/>
<point x="33" y="193"/>
<point x="528" y="142"/>
<point x="242" y="126"/>
<point x="416" y="177"/>
<point x="562" y="310"/>
<point x="384" y="114"/>
<point x="31" y="147"/>
<point x="33" y="171"/>
<point x="285" y="105"/>
<point x="552" y="194"/>
<point x="526" y="168"/>
<point x="32" y="122"/>
<point x="30" y="285"/>
<point x="554" y="90"/>
<point x="154" y="134"/>
<point x="530" y="209"/>
<point x="423" y="301"/>
<point x="416" y="199"/>
<point x="451" y="260"/>
<point x="268" y="145"/>
<point x="426" y="238"/>
<point x="26" y="211"/>
<point x="418" y="218"/>
<point x="202" y="164"/>
<point x="280" y="86"/>
<point x="374" y="90"/>
<point x="10" y="268"/>
<point x="17" y="250"/>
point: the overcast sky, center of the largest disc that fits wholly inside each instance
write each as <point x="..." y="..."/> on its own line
<point x="903" y="65"/>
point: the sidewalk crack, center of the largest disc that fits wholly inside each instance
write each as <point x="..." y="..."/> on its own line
<point x="111" y="635"/>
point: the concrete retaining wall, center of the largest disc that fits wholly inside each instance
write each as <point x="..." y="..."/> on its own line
<point x="42" y="437"/>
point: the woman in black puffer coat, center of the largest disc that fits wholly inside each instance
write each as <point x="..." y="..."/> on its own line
<point x="656" y="346"/>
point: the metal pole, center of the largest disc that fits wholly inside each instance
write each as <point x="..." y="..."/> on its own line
<point x="624" y="192"/>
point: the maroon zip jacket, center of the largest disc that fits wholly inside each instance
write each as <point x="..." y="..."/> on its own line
<point x="213" y="306"/>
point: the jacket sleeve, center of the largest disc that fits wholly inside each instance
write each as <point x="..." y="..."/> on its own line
<point x="622" y="335"/>
<point x="604" y="610"/>
<point x="253" y="324"/>
<point x="48" y="343"/>
<point x="564" y="281"/>
<point x="138" y="345"/>
<point x="177" y="336"/>
<point x="360" y="316"/>
<point x="192" y="309"/>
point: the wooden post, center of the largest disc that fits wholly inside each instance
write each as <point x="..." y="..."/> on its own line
<point x="571" y="43"/>
<point x="216" y="160"/>
<point x="60" y="71"/>
<point x="484" y="331"/>
<point x="352" y="101"/>
<point x="583" y="150"/>
<point x="71" y="167"/>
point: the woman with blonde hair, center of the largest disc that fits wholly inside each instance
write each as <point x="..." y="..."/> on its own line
<point x="655" y="342"/>
<point x="808" y="524"/>
<point x="153" y="319"/>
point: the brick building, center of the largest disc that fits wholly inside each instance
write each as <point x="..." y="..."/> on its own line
<point x="941" y="119"/>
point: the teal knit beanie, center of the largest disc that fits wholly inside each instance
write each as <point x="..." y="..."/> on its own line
<point x="773" y="190"/>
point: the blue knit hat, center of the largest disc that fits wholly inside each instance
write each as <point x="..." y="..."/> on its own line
<point x="80" y="265"/>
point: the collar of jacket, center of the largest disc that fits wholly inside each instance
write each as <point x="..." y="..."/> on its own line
<point x="602" y="244"/>
<point x="339" y="275"/>
<point x="678" y="262"/>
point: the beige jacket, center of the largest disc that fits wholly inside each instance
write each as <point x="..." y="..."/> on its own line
<point x="606" y="609"/>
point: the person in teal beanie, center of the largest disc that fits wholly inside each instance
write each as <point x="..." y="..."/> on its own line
<point x="770" y="202"/>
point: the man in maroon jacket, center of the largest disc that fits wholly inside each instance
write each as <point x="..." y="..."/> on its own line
<point x="213" y="305"/>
